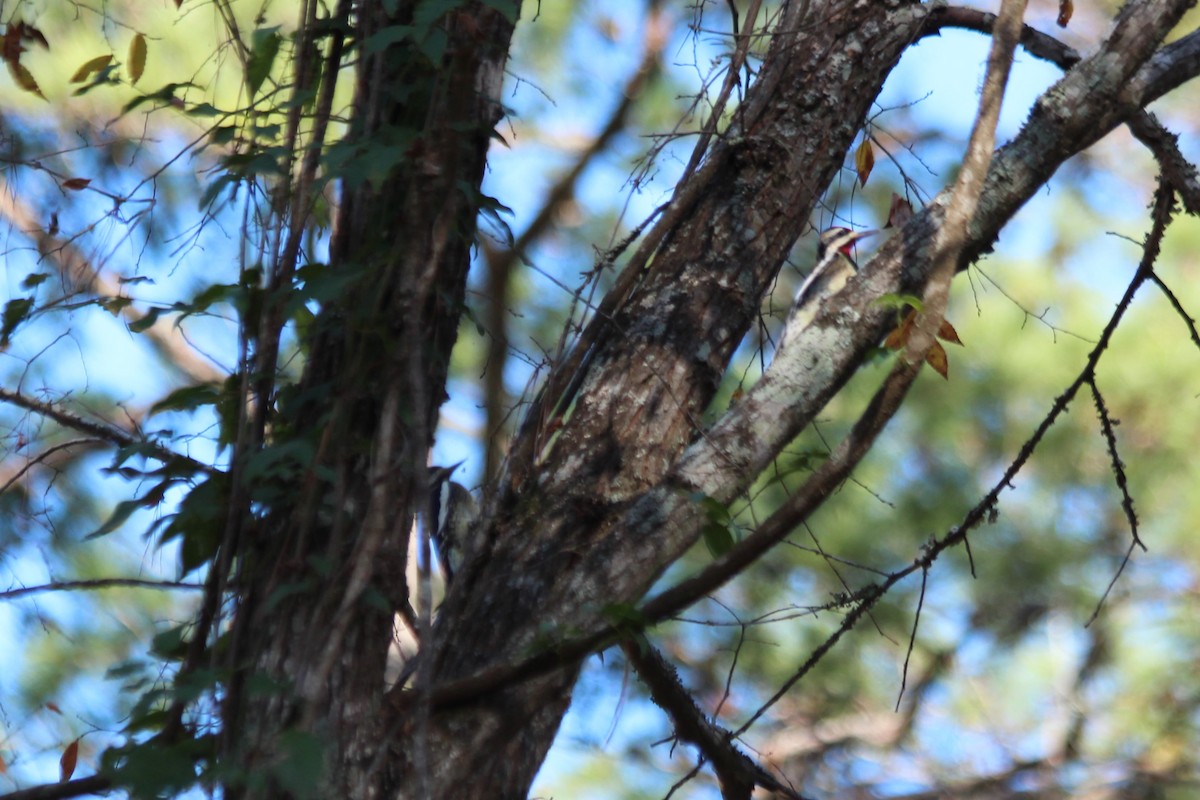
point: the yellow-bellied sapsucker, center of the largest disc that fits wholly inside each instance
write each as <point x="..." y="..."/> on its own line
<point x="450" y="518"/>
<point x="834" y="267"/>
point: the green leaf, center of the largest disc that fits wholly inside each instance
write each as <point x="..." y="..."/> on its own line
<point x="392" y="34"/>
<point x="125" y="508"/>
<point x="115" y="305"/>
<point x="199" y="523"/>
<point x="900" y="301"/>
<point x="718" y="539"/>
<point x="508" y="8"/>
<point x="151" y="317"/>
<point x="299" y="772"/>
<point x="33" y="279"/>
<point x="171" y="644"/>
<point x="264" y="46"/>
<point x="188" y="398"/>
<point x="16" y="311"/>
<point x="205" y="110"/>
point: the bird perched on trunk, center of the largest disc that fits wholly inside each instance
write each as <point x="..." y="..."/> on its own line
<point x="450" y="518"/>
<point x="834" y="267"/>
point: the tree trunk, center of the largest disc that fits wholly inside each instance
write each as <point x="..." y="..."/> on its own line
<point x="571" y="537"/>
<point x="325" y="575"/>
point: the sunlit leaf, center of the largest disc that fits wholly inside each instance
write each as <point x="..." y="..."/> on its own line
<point x="88" y="67"/>
<point x="137" y="57"/>
<point x="864" y="160"/>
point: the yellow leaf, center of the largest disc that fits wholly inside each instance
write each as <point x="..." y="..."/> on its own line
<point x="66" y="764"/>
<point x="937" y="358"/>
<point x="864" y="160"/>
<point x="137" y="57"/>
<point x="88" y="67"/>
<point x="947" y="333"/>
<point x="24" y="78"/>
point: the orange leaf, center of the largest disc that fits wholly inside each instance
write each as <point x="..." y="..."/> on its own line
<point x="66" y="764"/>
<point x="937" y="358"/>
<point x="88" y="67"/>
<point x="947" y="333"/>
<point x="137" y="57"/>
<point x="1065" y="9"/>
<point x="76" y="183"/>
<point x="24" y="78"/>
<point x="864" y="160"/>
<point x="900" y="212"/>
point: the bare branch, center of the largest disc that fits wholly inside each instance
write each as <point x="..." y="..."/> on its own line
<point x="94" y="584"/>
<point x="106" y="432"/>
<point x="79" y="273"/>
<point x="737" y="772"/>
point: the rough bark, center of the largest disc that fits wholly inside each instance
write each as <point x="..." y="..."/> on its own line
<point x="581" y="525"/>
<point x="577" y="533"/>
<point x="365" y="410"/>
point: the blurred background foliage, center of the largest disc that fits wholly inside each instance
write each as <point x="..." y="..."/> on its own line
<point x="1005" y="675"/>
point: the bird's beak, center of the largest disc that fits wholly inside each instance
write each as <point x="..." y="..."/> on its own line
<point x="855" y="237"/>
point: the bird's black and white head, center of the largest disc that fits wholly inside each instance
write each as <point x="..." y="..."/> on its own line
<point x="449" y="517"/>
<point x="839" y="240"/>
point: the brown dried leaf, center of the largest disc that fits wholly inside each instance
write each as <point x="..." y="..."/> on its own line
<point x="3" y="767"/>
<point x="66" y="764"/>
<point x="75" y="184"/>
<point x="54" y="707"/>
<point x="947" y="333"/>
<point x="35" y="35"/>
<point x="864" y="161"/>
<point x="1065" y="9"/>
<point x="137" y="57"/>
<point x="899" y="337"/>
<point x="88" y="67"/>
<point x="24" y="78"/>
<point x="900" y="212"/>
<point x="937" y="358"/>
<point x="12" y="42"/>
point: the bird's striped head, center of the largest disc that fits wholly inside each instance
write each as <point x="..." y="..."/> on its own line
<point x="839" y="240"/>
